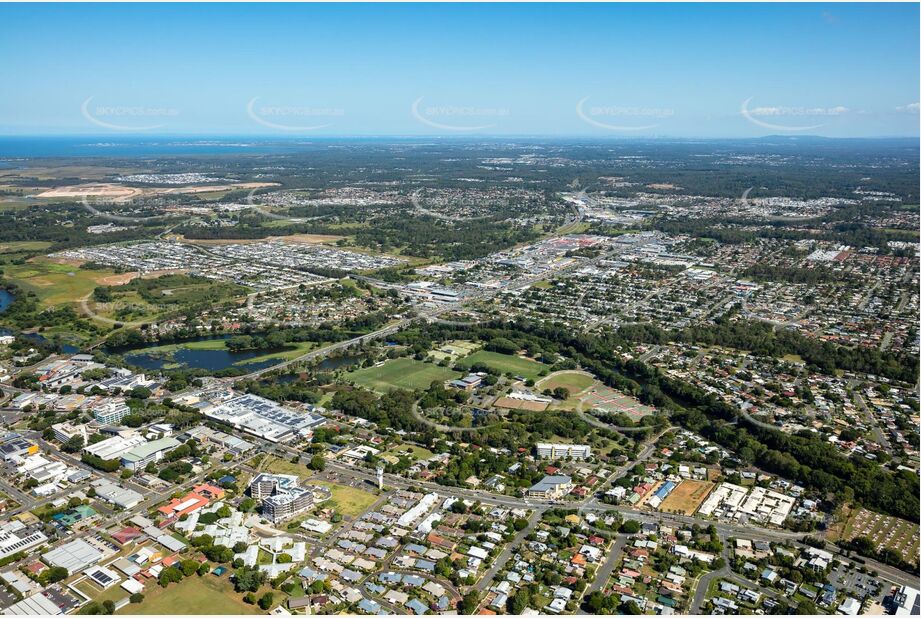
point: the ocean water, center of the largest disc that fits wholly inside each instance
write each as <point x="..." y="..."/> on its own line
<point x="119" y="146"/>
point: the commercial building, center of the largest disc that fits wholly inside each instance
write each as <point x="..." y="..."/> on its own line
<point x="188" y="504"/>
<point x="36" y="605"/>
<point x="111" y="412"/>
<point x="563" y="451"/>
<point x="152" y="451"/>
<point x="15" y="538"/>
<point x="281" y="496"/>
<point x="114" y="447"/>
<point x="43" y="470"/>
<point x="114" y="494"/>
<point x="15" y="447"/>
<point x="59" y="372"/>
<point x="231" y="443"/>
<point x="287" y="504"/>
<point x="66" y="430"/>
<point x="198" y="498"/>
<point x="551" y="487"/>
<point x="264" y="418"/>
<point x="74" y="556"/>
<point x="265" y="485"/>
<point x="468" y="383"/>
<point x="906" y="601"/>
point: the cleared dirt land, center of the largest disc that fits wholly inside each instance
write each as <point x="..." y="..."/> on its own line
<point x="687" y="497"/>
<point x="117" y="192"/>
<point x="307" y="239"/>
<point x="520" y="404"/>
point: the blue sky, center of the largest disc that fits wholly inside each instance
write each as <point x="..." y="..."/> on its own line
<point x="620" y="70"/>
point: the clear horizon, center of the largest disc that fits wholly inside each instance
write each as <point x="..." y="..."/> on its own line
<point x="319" y="71"/>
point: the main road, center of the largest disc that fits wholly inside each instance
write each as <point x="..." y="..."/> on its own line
<point x="589" y="504"/>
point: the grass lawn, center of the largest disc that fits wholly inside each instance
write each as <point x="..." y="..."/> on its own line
<point x="284" y="466"/>
<point x="193" y="595"/>
<point x="208" y="344"/>
<point x="412" y="451"/>
<point x="128" y="306"/>
<point x="573" y="381"/>
<point x="113" y="593"/>
<point x="405" y="373"/>
<point x="291" y="351"/>
<point x="23" y="245"/>
<point x="346" y="500"/>
<point x="505" y="363"/>
<point x="54" y="283"/>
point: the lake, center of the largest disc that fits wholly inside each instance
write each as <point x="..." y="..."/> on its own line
<point x="210" y="360"/>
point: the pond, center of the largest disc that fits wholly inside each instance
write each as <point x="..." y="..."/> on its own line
<point x="6" y="299"/>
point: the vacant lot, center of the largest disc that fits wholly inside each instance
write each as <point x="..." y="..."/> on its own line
<point x="506" y="363"/>
<point x="346" y="500"/>
<point x="686" y="497"/>
<point x="276" y="465"/>
<point x="405" y="373"/>
<point x="54" y="283"/>
<point x="193" y="595"/>
<point x="411" y="451"/>
<point x="884" y="530"/>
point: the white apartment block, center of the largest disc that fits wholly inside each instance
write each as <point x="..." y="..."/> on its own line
<point x="563" y="451"/>
<point x="111" y="412"/>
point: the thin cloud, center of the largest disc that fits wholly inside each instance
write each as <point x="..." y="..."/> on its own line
<point x="911" y="108"/>
<point x="798" y="111"/>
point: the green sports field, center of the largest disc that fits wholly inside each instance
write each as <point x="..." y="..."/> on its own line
<point x="517" y="365"/>
<point x="404" y="373"/>
<point x="193" y="595"/>
<point x="575" y="381"/>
